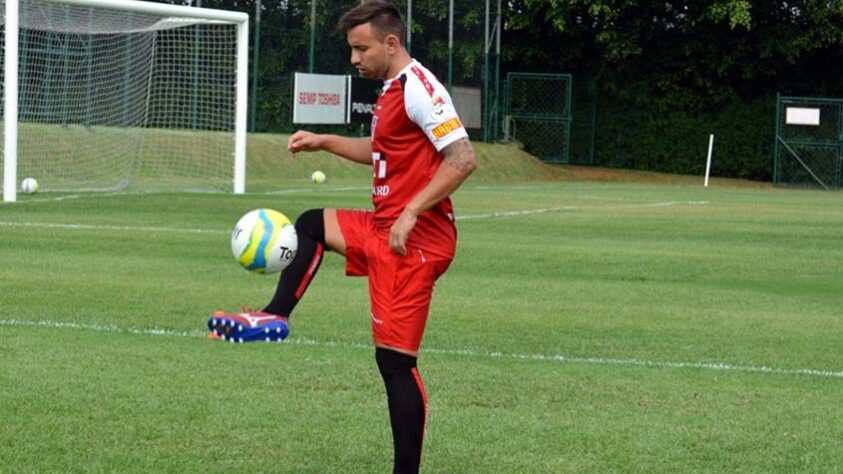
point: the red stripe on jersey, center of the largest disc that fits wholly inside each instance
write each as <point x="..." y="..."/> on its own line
<point x="311" y="270"/>
<point x="420" y="384"/>
<point x="420" y="74"/>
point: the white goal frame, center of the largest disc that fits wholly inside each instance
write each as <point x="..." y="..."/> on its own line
<point x="12" y="29"/>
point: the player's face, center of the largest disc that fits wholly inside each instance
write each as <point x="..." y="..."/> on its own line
<point x="369" y="54"/>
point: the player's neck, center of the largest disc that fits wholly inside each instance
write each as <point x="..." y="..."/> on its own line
<point x="398" y="63"/>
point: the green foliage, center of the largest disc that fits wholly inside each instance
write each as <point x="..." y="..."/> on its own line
<point x="676" y="141"/>
<point x="666" y="74"/>
<point x="737" y="12"/>
<point x="697" y="63"/>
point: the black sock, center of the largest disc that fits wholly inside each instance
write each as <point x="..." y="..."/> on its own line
<point x="310" y="229"/>
<point x="407" y="407"/>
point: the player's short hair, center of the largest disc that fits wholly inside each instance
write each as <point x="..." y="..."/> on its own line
<point x="383" y="16"/>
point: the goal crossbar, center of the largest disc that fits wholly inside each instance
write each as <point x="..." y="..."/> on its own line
<point x="137" y="6"/>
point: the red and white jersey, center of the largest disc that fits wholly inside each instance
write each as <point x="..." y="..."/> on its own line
<point x="414" y="119"/>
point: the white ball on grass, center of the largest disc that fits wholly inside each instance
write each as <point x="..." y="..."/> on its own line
<point x="29" y="186"/>
<point x="318" y="177"/>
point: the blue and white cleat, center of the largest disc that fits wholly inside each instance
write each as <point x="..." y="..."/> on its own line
<point x="248" y="327"/>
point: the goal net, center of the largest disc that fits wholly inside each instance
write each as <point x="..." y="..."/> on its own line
<point x="117" y="94"/>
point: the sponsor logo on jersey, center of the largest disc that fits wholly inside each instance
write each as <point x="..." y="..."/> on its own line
<point x="438" y="106"/>
<point x="379" y="165"/>
<point x="380" y="191"/>
<point x="446" y="127"/>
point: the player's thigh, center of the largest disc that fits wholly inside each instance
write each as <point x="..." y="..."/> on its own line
<point x="333" y="235"/>
<point x="400" y="289"/>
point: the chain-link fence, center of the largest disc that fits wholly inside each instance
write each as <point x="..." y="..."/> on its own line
<point x="287" y="49"/>
<point x="809" y="142"/>
<point x="537" y="113"/>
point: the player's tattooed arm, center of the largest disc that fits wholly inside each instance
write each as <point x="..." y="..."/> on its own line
<point x="460" y="155"/>
<point x="458" y="162"/>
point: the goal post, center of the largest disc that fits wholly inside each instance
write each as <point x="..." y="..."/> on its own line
<point x="109" y="94"/>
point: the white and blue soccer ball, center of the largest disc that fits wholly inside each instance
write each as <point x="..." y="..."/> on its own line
<point x="264" y="241"/>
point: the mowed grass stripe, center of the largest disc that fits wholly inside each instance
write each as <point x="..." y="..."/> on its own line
<point x="489" y="215"/>
<point x="725" y="367"/>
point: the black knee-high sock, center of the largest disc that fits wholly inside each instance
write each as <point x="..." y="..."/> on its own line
<point x="310" y="229"/>
<point x="407" y="407"/>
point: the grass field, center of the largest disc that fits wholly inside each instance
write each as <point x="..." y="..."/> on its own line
<point x="585" y="326"/>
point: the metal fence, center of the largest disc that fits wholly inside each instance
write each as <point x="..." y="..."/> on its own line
<point x="538" y="114"/>
<point x="808" y="148"/>
<point x="291" y="48"/>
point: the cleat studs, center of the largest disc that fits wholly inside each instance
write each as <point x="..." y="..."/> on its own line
<point x="278" y="330"/>
<point x="240" y="341"/>
<point x="214" y="322"/>
<point x="266" y="330"/>
<point x="240" y="327"/>
<point x="268" y="339"/>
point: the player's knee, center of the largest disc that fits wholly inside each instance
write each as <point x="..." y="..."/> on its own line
<point x="312" y="224"/>
<point x="390" y="361"/>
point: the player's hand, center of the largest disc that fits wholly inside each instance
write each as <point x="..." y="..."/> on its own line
<point x="304" y="141"/>
<point x="400" y="231"/>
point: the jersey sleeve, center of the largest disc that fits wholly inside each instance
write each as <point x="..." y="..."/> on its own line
<point x="430" y="107"/>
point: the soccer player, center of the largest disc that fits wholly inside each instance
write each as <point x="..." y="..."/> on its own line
<point x="420" y="154"/>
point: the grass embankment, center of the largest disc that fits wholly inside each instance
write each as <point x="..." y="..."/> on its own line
<point x="268" y="159"/>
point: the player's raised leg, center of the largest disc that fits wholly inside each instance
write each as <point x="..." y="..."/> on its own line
<point x="317" y="229"/>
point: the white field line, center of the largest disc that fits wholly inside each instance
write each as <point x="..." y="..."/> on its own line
<point x="672" y="203"/>
<point x="75" y="196"/>
<point x="489" y="215"/>
<point x="317" y="190"/>
<point x="524" y="212"/>
<point x="110" y="227"/>
<point x="98" y="195"/>
<point x="558" y="358"/>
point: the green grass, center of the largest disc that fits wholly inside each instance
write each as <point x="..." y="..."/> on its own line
<point x="630" y="327"/>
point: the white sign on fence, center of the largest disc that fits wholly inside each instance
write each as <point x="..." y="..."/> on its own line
<point x="319" y="98"/>
<point x="802" y="116"/>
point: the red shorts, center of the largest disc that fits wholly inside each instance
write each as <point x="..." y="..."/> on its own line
<point x="400" y="286"/>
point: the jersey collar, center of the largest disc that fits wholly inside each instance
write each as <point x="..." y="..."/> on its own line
<point x="388" y="82"/>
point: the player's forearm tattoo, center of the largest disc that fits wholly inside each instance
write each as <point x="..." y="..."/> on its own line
<point x="460" y="155"/>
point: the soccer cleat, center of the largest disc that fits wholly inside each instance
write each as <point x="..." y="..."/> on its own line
<point x="247" y="327"/>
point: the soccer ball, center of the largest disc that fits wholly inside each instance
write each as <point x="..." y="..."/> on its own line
<point x="264" y="241"/>
<point x="29" y="186"/>
<point x="318" y="177"/>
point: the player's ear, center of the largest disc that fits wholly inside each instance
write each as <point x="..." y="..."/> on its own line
<point x="392" y="43"/>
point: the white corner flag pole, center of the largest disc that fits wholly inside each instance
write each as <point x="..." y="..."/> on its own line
<point x="708" y="161"/>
